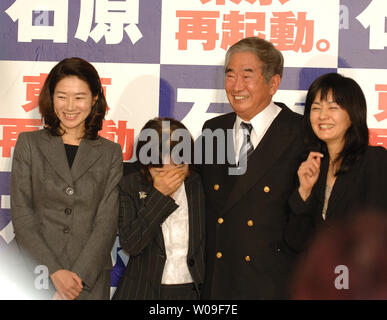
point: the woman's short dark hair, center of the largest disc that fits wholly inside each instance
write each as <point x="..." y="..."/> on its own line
<point x="164" y="143"/>
<point x="84" y="71"/>
<point x="349" y="96"/>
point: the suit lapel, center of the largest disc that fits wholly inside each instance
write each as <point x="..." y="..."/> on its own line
<point x="341" y="189"/>
<point x="222" y="171"/>
<point x="192" y="208"/>
<point x="272" y="146"/>
<point x="53" y="149"/>
<point x="86" y="155"/>
<point x="160" y="240"/>
<point x="319" y="188"/>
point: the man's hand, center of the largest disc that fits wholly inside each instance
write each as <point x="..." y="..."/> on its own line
<point x="308" y="173"/>
<point x="68" y="284"/>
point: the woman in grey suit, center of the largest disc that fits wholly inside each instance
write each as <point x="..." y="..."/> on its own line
<point x="161" y="221"/>
<point x="64" y="194"/>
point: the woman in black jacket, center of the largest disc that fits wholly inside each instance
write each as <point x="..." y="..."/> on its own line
<point x="161" y="220"/>
<point x="342" y="175"/>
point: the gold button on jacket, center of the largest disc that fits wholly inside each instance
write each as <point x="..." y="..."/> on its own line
<point x="216" y="187"/>
<point x="266" y="189"/>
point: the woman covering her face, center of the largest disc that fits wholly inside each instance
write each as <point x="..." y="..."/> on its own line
<point x="342" y="175"/>
<point x="64" y="185"/>
<point x="161" y="221"/>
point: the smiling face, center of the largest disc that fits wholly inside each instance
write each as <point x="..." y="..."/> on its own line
<point x="73" y="101"/>
<point x="329" y="121"/>
<point x="246" y="87"/>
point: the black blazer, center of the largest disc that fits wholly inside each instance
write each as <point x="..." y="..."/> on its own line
<point x="363" y="188"/>
<point x="141" y="235"/>
<point x="247" y="214"/>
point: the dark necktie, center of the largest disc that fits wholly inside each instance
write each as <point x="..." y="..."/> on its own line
<point x="247" y="147"/>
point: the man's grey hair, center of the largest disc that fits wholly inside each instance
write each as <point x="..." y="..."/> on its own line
<point x="272" y="58"/>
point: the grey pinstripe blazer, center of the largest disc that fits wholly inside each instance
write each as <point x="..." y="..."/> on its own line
<point x="67" y="219"/>
<point x="141" y="235"/>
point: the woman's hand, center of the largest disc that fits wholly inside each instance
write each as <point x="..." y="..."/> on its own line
<point x="308" y="173"/>
<point x="168" y="181"/>
<point x="67" y="284"/>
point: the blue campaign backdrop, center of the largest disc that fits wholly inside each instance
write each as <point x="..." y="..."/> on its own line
<point x="165" y="57"/>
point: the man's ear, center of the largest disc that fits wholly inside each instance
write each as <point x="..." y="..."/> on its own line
<point x="274" y="83"/>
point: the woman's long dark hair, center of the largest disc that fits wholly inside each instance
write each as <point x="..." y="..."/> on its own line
<point x="349" y="96"/>
<point x="85" y="71"/>
<point x="164" y="143"/>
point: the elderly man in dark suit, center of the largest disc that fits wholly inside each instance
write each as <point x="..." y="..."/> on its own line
<point x="247" y="211"/>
